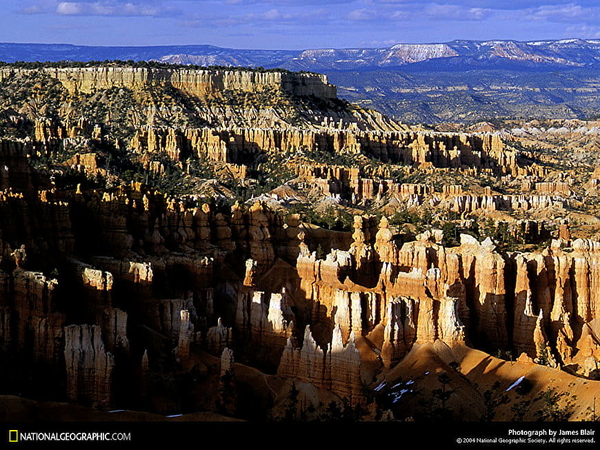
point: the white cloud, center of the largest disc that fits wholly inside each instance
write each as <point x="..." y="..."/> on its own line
<point x="107" y="9"/>
<point x="69" y="8"/>
<point x="455" y="12"/>
<point x="396" y="11"/>
<point x="380" y="44"/>
<point x="565" y="13"/>
<point x="34" y="9"/>
<point x="584" y="31"/>
<point x="271" y="16"/>
<point x="362" y="14"/>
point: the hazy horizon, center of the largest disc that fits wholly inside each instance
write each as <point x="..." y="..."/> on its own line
<point x="293" y="25"/>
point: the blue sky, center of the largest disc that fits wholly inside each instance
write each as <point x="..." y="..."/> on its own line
<point x="292" y="24"/>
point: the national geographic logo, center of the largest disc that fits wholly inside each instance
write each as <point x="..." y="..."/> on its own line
<point x="15" y="436"/>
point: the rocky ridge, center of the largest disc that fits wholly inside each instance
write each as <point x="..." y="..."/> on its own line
<point x="197" y="82"/>
<point x="564" y="52"/>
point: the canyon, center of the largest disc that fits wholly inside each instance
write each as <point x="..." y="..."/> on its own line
<point x="244" y="244"/>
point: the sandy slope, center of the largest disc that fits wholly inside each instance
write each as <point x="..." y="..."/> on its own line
<point x="482" y="384"/>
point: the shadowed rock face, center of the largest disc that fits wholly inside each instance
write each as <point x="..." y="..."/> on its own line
<point x="113" y="293"/>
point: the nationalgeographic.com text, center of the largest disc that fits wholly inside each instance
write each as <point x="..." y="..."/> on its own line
<point x="65" y="436"/>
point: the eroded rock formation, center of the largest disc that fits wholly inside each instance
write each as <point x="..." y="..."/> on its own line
<point x="201" y="280"/>
<point x="126" y="295"/>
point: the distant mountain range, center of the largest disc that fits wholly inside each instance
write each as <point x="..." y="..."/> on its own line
<point x="497" y="54"/>
<point x="455" y="81"/>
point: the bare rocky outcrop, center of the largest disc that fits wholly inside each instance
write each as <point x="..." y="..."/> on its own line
<point x="264" y="323"/>
<point x="219" y="338"/>
<point x="227" y="383"/>
<point x="89" y="366"/>
<point x="236" y="144"/>
<point x="336" y="368"/>
<point x="199" y="82"/>
<point x="461" y="294"/>
<point x="33" y="322"/>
